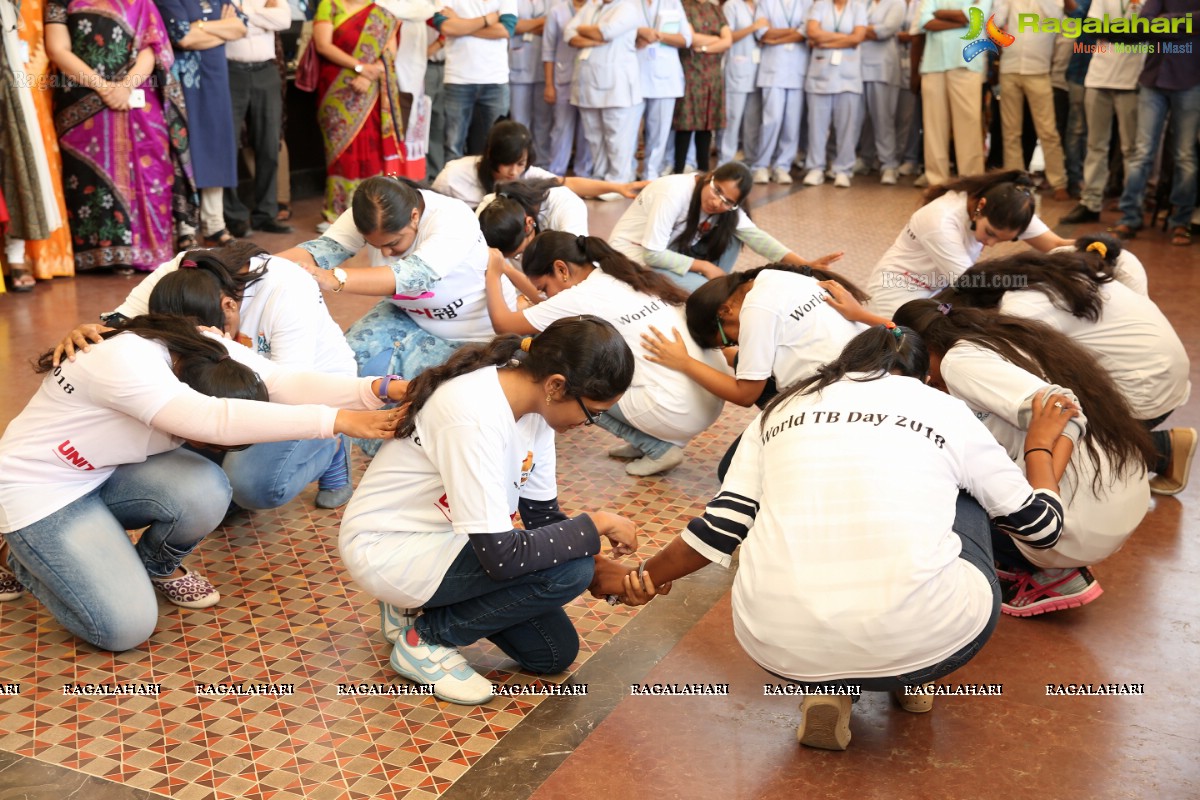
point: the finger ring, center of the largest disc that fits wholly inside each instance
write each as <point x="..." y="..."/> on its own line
<point x="1058" y="405"/>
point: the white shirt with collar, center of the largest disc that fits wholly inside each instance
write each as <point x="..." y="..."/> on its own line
<point x="1030" y="53"/>
<point x="258" y="44"/>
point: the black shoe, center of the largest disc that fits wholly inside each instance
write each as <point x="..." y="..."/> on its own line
<point x="1080" y="213"/>
<point x="271" y="226"/>
<point x="237" y="228"/>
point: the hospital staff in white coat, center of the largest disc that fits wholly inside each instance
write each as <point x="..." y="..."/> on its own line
<point x="558" y="62"/>
<point x="606" y="88"/>
<point x="662" y="31"/>
<point x="781" y="78"/>
<point x="834" y="86"/>
<point x="881" y="81"/>
<point x="526" y="78"/>
<point x="743" y="100"/>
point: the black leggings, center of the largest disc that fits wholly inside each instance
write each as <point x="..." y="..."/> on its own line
<point x="1162" y="443"/>
<point x="683" y="140"/>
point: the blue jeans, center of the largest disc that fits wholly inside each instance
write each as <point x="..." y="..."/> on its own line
<point x="615" y="422"/>
<point x="271" y="474"/>
<point x="974" y="530"/>
<point x="1153" y="107"/>
<point x="80" y="563"/>
<point x="691" y="281"/>
<point x="524" y="616"/>
<point x="490" y="101"/>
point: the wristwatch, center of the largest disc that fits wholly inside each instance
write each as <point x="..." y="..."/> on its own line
<point x="340" y="274"/>
<point x="358" y="68"/>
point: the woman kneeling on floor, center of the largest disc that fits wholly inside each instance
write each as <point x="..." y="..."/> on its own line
<point x="859" y="460"/>
<point x="430" y="525"/>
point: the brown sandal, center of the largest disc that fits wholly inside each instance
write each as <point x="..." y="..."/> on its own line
<point x="1181" y="236"/>
<point x="22" y="279"/>
<point x="1124" y="231"/>
<point x="219" y="239"/>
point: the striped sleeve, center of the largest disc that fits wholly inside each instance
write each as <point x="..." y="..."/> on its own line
<point x="725" y="525"/>
<point x="1037" y="523"/>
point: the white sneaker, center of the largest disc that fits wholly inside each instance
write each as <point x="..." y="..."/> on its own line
<point x="608" y="197"/>
<point x="652" y="466"/>
<point x="815" y="177"/>
<point x="322" y="227"/>
<point x="393" y="620"/>
<point x="888" y="178"/>
<point x="624" y="451"/>
<point x="762" y="175"/>
<point x="860" y="167"/>
<point x="781" y="176"/>
<point x="443" y="668"/>
<point x="842" y="181"/>
<point x="690" y="169"/>
<point x="907" y="168"/>
<point x="921" y="182"/>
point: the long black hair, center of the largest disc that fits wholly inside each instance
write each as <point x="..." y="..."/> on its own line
<point x="877" y="351"/>
<point x="712" y="244"/>
<point x="503" y="219"/>
<point x="384" y="204"/>
<point x="1071" y="280"/>
<point x="203" y="278"/>
<point x="551" y="246"/>
<point x="1009" y="195"/>
<point x="705" y="302"/>
<point x="200" y="361"/>
<point x="1052" y="356"/>
<point x="587" y="351"/>
<point x="507" y="143"/>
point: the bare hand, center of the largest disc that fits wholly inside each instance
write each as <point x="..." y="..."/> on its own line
<point x="116" y="97"/>
<point x="360" y="85"/>
<point x="1051" y="413"/>
<point x="82" y="338"/>
<point x="636" y="592"/>
<point x="324" y="277"/>
<point x="608" y="577"/>
<point x="215" y="331"/>
<point x="761" y="24"/>
<point x="671" y="353"/>
<point x="368" y="424"/>
<point x="631" y="189"/>
<point x="843" y="302"/>
<point x="550" y="94"/>
<point x="707" y="269"/>
<point x="372" y="72"/>
<point x="620" y="532"/>
<point x="826" y="260"/>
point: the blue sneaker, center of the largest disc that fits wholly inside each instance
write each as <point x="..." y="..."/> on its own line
<point x="443" y="668"/>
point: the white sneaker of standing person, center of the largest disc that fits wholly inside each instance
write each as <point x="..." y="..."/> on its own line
<point x="652" y="466"/>
<point x="888" y="178"/>
<point x="907" y="168"/>
<point x="842" y="181"/>
<point x="815" y="177"/>
<point x="781" y="176"/>
<point x="761" y="175"/>
<point x="443" y="668"/>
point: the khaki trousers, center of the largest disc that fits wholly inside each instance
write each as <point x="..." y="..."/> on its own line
<point x="952" y="103"/>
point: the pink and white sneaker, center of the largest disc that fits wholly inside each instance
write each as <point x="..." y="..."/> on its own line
<point x="189" y="590"/>
<point x="1048" y="590"/>
<point x="10" y="587"/>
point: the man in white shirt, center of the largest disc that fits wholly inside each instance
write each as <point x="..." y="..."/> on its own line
<point x="256" y="93"/>
<point x="476" y="76"/>
<point x="1025" y="75"/>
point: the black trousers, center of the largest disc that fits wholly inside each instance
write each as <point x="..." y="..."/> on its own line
<point x="258" y="104"/>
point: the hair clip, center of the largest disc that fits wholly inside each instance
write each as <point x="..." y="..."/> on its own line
<point x="1098" y="247"/>
<point x="945" y="308"/>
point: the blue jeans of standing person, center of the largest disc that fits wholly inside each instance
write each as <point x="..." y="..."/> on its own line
<point x="524" y="616"/>
<point x="80" y="564"/>
<point x="488" y="101"/>
<point x="1153" y="107"/>
<point x="615" y="422"/>
<point x="271" y="474"/>
<point x="973" y="528"/>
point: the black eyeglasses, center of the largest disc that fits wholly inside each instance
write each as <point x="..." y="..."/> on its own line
<point x="722" y="199"/>
<point x="725" y="342"/>
<point x="591" y="418"/>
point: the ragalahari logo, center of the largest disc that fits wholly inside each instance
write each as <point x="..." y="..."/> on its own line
<point x="983" y="44"/>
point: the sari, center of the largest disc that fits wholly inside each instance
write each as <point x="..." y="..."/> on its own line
<point x="126" y="174"/>
<point x="363" y="133"/>
<point x="50" y="257"/>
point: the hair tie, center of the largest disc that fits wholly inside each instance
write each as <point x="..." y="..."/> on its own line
<point x="223" y="358"/>
<point x="526" y="343"/>
<point x="806" y="270"/>
<point x="581" y="243"/>
<point x="1098" y="247"/>
<point x="945" y="308"/>
<point x="187" y="263"/>
<point x="894" y="330"/>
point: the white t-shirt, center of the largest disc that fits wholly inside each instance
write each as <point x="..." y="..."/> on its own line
<point x="1095" y="525"/>
<point x="408" y="520"/>
<point x="658" y="215"/>
<point x="1108" y="68"/>
<point x="661" y="402"/>
<point x="851" y="568"/>
<point x="283" y="317"/>
<point x="449" y="242"/>
<point x="1129" y="269"/>
<point x="460" y="179"/>
<point x="563" y="211"/>
<point x="935" y="247"/>
<point x="788" y="330"/>
<point x="1132" y="339"/>
<point x="474" y="61"/>
<point x="120" y="403"/>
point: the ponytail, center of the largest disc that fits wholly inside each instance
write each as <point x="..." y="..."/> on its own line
<point x="587" y="351"/>
<point x="550" y="246"/>
<point x="1009" y="195"/>
<point x="1071" y="280"/>
<point x="877" y="351"/>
